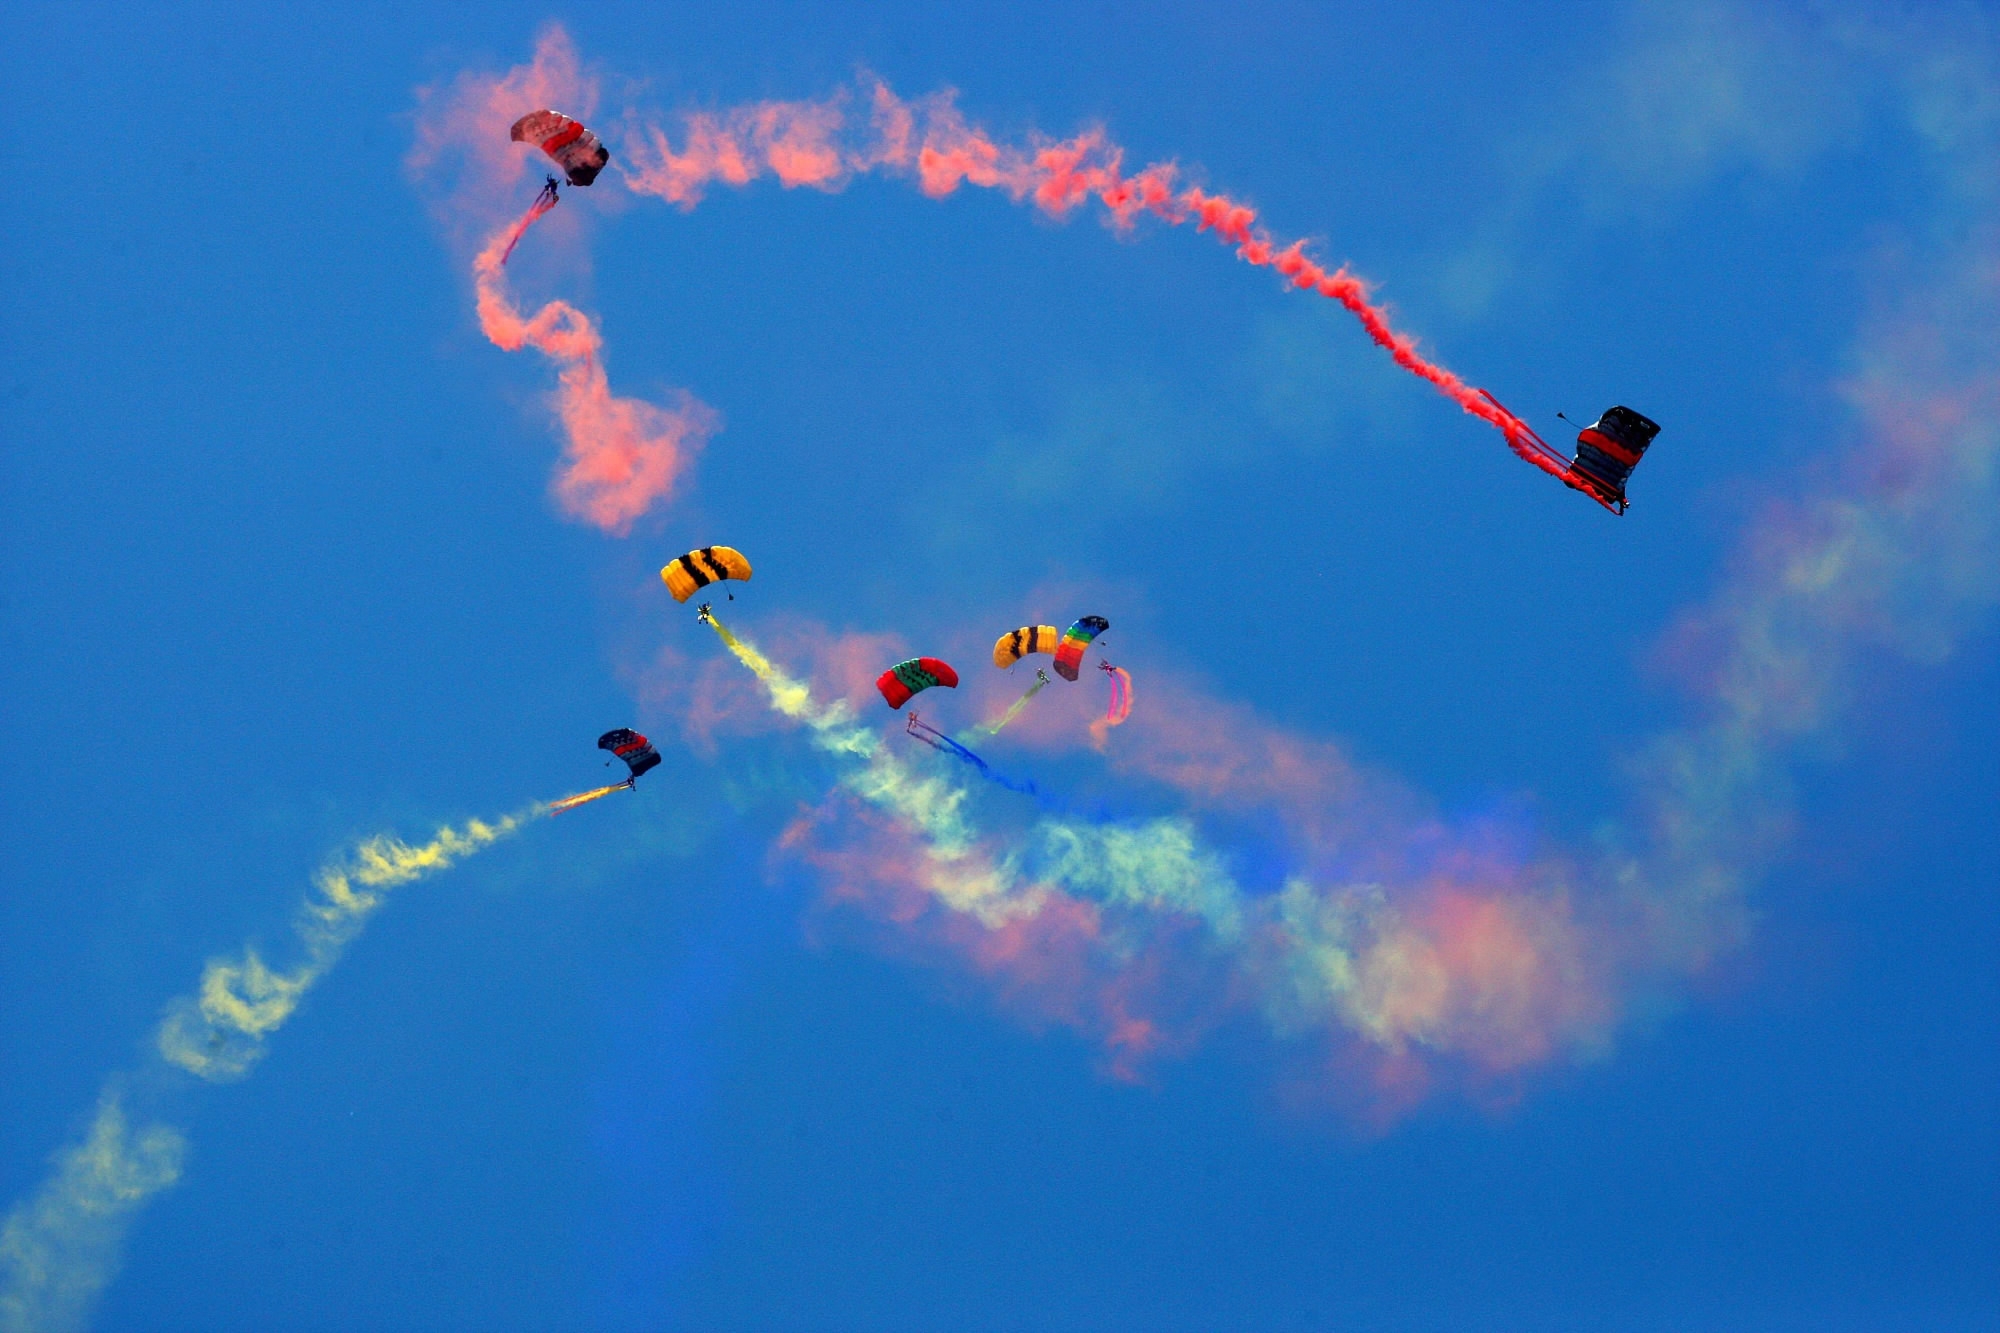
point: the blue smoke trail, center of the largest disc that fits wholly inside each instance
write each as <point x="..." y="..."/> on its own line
<point x="937" y="740"/>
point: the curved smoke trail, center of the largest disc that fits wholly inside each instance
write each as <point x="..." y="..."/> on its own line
<point x="61" y="1246"/>
<point x="623" y="456"/>
<point x="817" y="143"/>
<point x="620" y="455"/>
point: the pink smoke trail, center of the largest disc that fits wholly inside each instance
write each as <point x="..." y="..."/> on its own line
<point x="543" y="203"/>
<point x="471" y="174"/>
<point x="1120" y="706"/>
<point x="620" y="455"/>
<point x="801" y="143"/>
<point x="1392" y="939"/>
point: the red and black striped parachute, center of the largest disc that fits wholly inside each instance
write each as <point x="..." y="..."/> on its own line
<point x="637" y="752"/>
<point x="1606" y="452"/>
<point x="576" y="150"/>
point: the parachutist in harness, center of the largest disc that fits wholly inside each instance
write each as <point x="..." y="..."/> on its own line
<point x="549" y="191"/>
<point x="705" y="613"/>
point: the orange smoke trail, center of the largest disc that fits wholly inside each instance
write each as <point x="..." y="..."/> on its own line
<point x="620" y="455"/>
<point x="585" y="798"/>
<point x="800" y="143"/>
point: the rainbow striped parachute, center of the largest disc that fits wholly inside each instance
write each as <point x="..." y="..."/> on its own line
<point x="1069" y="653"/>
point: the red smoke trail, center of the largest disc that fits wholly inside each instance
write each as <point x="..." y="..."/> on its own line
<point x="620" y="454"/>
<point x="800" y="143"/>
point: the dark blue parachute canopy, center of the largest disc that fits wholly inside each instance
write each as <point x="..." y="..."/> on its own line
<point x="637" y="752"/>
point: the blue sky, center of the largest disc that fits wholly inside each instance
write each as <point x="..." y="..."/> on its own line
<point x="282" y="569"/>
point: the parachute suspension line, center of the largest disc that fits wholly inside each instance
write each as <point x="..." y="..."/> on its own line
<point x="1525" y="442"/>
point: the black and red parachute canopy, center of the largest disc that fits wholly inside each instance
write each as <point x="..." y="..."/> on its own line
<point x="637" y="752"/>
<point x="1606" y="452"/>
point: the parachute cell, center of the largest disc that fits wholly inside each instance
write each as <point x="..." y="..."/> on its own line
<point x="1606" y="452"/>
<point x="903" y="681"/>
<point x="575" y="149"/>
<point x="1011" y="647"/>
<point x="687" y="574"/>
<point x="1069" y="653"/>
<point x="637" y="752"/>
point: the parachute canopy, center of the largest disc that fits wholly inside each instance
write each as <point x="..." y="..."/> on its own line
<point x="637" y="752"/>
<point x="1606" y="452"/>
<point x="576" y="150"/>
<point x="905" y="680"/>
<point x="685" y="575"/>
<point x="1011" y="647"/>
<point x="1069" y="653"/>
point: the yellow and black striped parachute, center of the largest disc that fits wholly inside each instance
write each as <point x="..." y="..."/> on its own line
<point x="688" y="574"/>
<point x="1011" y="647"/>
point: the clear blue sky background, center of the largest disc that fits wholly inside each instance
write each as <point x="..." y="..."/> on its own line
<point x="279" y="569"/>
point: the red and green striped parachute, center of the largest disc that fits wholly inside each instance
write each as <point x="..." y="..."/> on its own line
<point x="905" y="680"/>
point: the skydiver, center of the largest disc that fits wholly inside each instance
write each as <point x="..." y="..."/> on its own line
<point x="549" y="191"/>
<point x="705" y="613"/>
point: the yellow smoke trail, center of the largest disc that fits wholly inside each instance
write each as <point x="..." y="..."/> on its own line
<point x="1013" y="710"/>
<point x="218" y="1033"/>
<point x="59" y="1248"/>
<point x="1499" y="979"/>
<point x="958" y="873"/>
